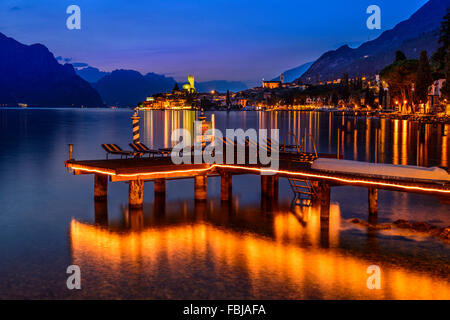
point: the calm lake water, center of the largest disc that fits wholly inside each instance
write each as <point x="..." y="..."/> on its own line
<point x="210" y="251"/>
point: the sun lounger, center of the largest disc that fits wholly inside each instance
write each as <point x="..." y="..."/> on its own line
<point x="116" y="150"/>
<point x="141" y="149"/>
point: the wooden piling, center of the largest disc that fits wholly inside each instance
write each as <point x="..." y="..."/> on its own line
<point x="275" y="188"/>
<point x="136" y="219"/>
<point x="200" y="186"/>
<point x="100" y="187"/>
<point x="101" y="213"/>
<point x="159" y="203"/>
<point x="373" y="202"/>
<point x="226" y="186"/>
<point x="324" y="196"/>
<point x="136" y="194"/>
<point x="160" y="187"/>
<point x="264" y="182"/>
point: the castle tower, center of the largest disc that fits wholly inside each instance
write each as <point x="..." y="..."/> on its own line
<point x="191" y="81"/>
<point x="282" y="78"/>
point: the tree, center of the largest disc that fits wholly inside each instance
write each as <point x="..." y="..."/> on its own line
<point x="445" y="91"/>
<point x="175" y="88"/>
<point x="424" y="78"/>
<point x="369" y="97"/>
<point x="399" y="56"/>
<point x="380" y="95"/>
<point x="444" y="40"/>
<point x="345" y="92"/>
<point x="400" y="76"/>
<point x="334" y="99"/>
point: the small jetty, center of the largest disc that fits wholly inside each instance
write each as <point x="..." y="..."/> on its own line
<point x="311" y="175"/>
<point x="137" y="171"/>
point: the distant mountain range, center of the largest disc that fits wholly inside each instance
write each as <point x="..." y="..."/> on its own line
<point x="221" y="86"/>
<point x="91" y="74"/>
<point x="419" y="32"/>
<point x="295" y="73"/>
<point x="125" y="88"/>
<point x="32" y="75"/>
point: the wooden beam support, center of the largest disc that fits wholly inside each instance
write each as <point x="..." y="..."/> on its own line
<point x="264" y="185"/>
<point x="136" y="194"/>
<point x="160" y="186"/>
<point x="373" y="202"/>
<point x="226" y="186"/>
<point x="101" y="213"/>
<point x="159" y="204"/>
<point x="100" y="187"/>
<point x="200" y="185"/>
<point x="136" y="219"/>
<point x="324" y="195"/>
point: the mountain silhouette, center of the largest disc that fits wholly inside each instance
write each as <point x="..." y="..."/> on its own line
<point x="30" y="74"/>
<point x="419" y="32"/>
<point x="294" y="73"/>
<point x="126" y="88"/>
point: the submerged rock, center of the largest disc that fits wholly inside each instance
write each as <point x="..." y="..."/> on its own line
<point x="421" y="226"/>
<point x="403" y="224"/>
<point x="445" y="233"/>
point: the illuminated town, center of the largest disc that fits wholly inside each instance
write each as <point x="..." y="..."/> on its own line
<point x="231" y="157"/>
<point x="370" y="95"/>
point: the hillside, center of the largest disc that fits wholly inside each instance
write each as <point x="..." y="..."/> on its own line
<point x="419" y="32"/>
<point x="32" y="75"/>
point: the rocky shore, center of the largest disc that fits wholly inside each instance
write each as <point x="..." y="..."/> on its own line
<point x="416" y="227"/>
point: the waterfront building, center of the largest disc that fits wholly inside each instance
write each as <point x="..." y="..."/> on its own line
<point x="271" y="84"/>
<point x="434" y="96"/>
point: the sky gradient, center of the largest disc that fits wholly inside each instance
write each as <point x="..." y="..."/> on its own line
<point x="213" y="39"/>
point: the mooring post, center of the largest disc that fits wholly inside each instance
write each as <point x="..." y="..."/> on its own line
<point x="324" y="198"/>
<point x="373" y="202"/>
<point x="136" y="194"/>
<point x="226" y="186"/>
<point x="200" y="185"/>
<point x="70" y="151"/>
<point x="100" y="187"/>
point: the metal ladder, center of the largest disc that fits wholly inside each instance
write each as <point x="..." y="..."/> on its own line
<point x="303" y="192"/>
<point x="302" y="188"/>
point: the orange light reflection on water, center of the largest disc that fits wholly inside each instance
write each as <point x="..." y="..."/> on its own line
<point x="268" y="265"/>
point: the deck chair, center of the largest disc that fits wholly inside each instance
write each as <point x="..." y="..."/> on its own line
<point x="141" y="149"/>
<point x="165" y="152"/>
<point x="116" y="150"/>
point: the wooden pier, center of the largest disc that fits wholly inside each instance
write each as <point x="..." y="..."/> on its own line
<point x="137" y="171"/>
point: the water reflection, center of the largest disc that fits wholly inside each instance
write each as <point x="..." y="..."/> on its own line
<point x="363" y="139"/>
<point x="180" y="249"/>
<point x="224" y="252"/>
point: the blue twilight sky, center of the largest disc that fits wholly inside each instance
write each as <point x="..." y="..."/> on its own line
<point x="212" y="39"/>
